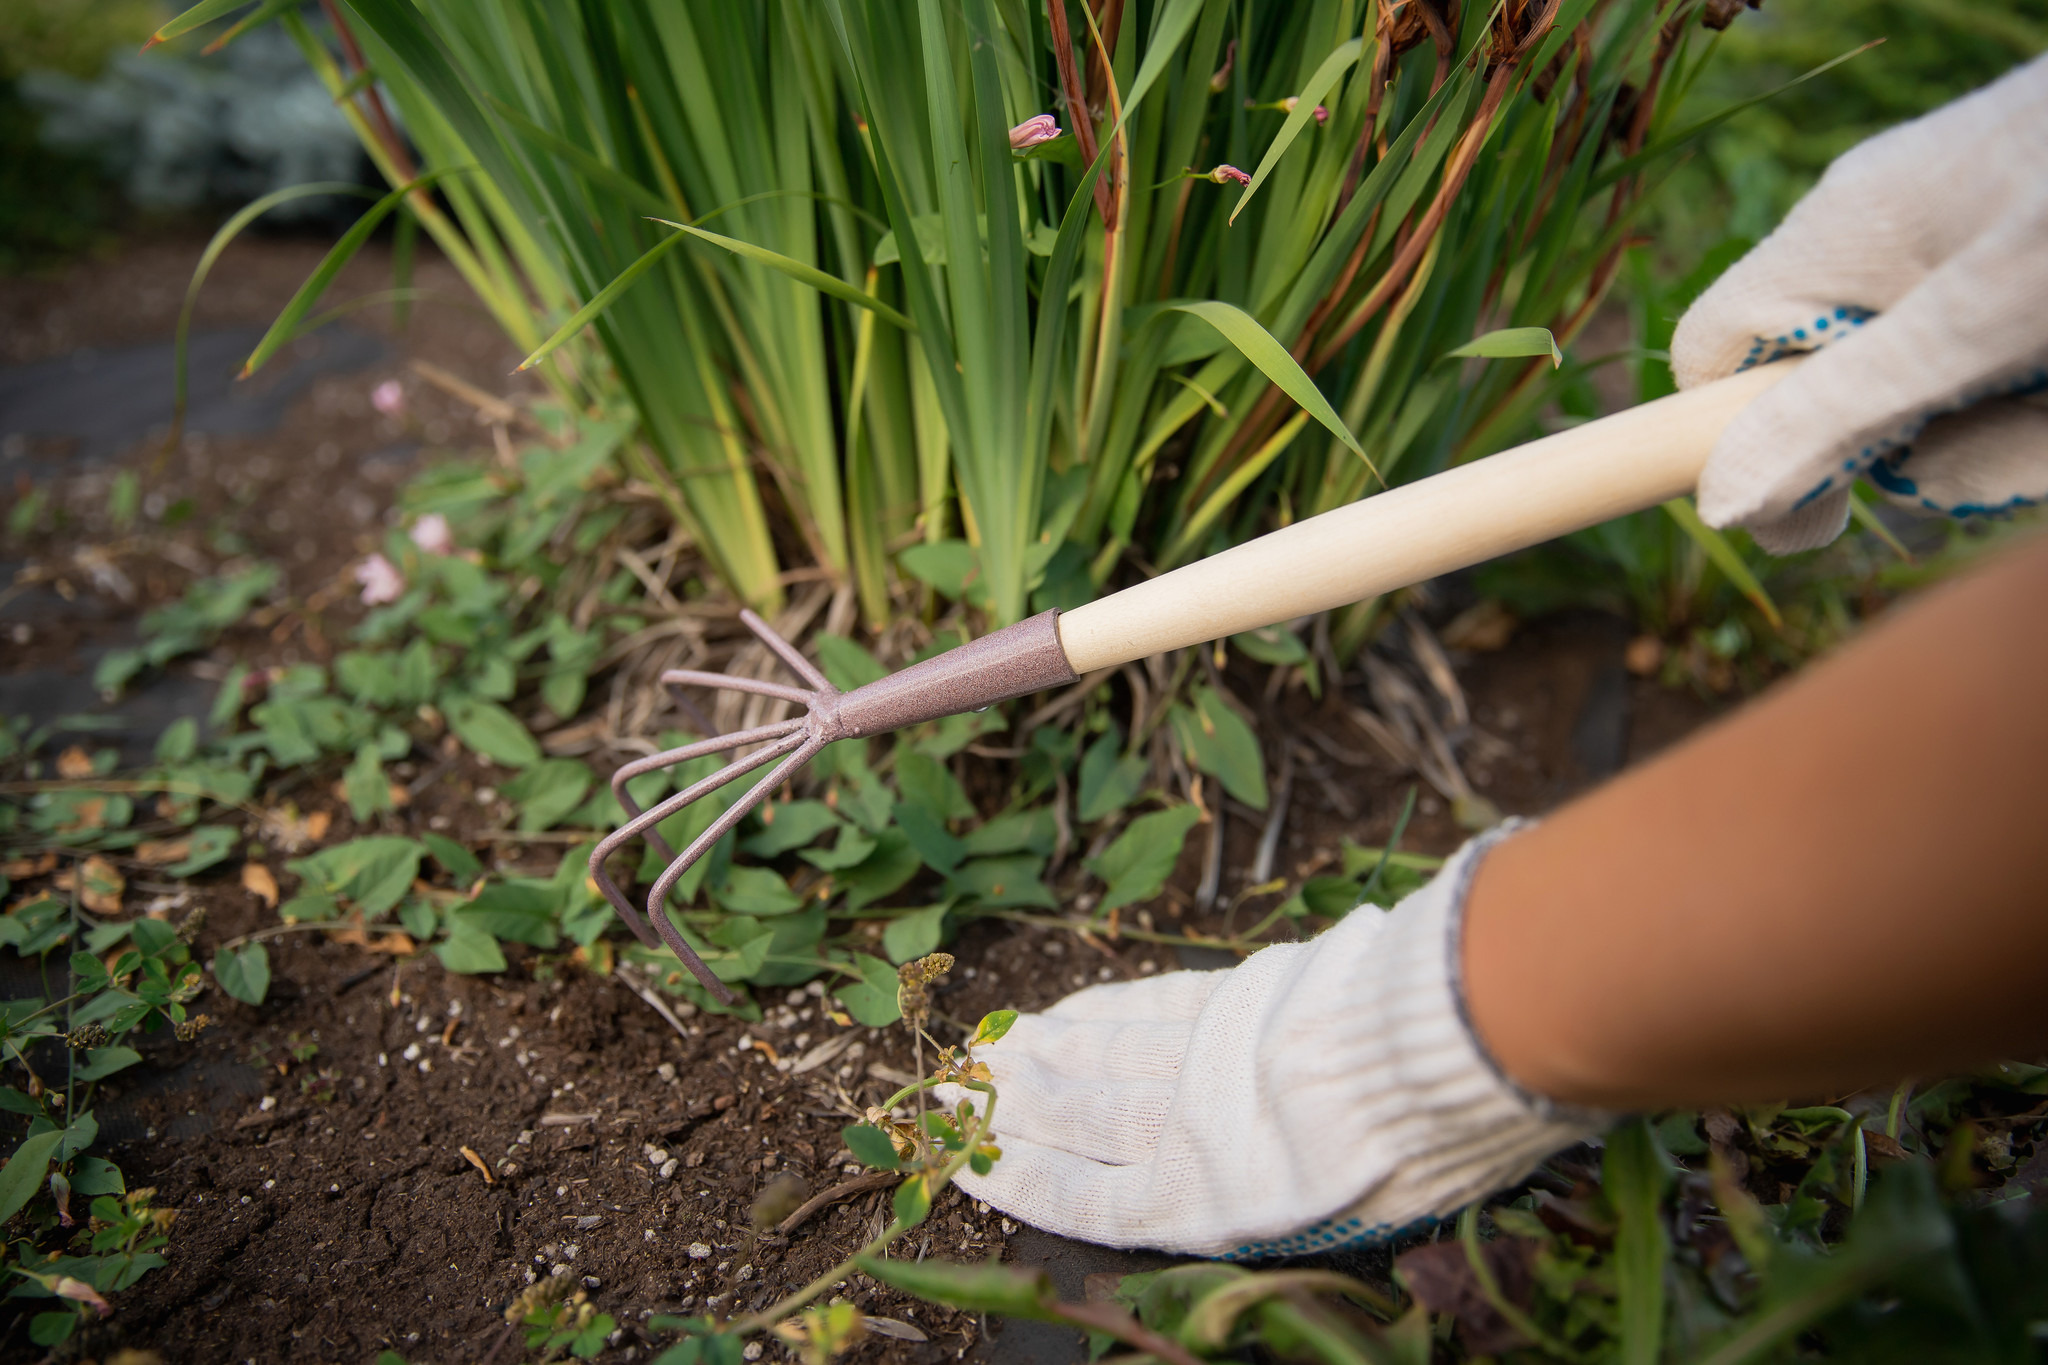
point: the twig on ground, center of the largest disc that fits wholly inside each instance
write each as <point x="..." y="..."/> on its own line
<point x="646" y="992"/>
<point x="1276" y="821"/>
<point x="845" y="1189"/>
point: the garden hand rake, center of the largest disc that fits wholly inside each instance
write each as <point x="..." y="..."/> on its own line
<point x="1463" y="516"/>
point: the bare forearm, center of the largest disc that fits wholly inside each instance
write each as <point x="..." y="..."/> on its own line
<point x="1844" y="884"/>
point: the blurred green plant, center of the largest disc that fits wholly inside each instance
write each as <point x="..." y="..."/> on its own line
<point x="1096" y="348"/>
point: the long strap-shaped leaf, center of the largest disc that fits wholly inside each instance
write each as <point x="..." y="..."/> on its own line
<point x="287" y="325"/>
<point x="1257" y="345"/>
<point x="803" y="274"/>
<point x="205" y="12"/>
<point x="229" y="230"/>
<point x="1304" y="109"/>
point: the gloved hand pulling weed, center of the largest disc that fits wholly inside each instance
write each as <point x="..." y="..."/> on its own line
<point x="1918" y="271"/>
<point x="1317" y="1095"/>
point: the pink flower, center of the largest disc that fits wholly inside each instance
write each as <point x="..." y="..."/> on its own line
<point x="381" y="581"/>
<point x="1032" y="131"/>
<point x="1288" y="105"/>
<point x="78" y="1291"/>
<point x="430" y="533"/>
<point x="1322" y="114"/>
<point x="388" y="398"/>
<point x="1228" y="175"/>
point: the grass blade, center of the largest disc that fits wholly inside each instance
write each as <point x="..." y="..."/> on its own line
<point x="1257" y="345"/>
<point x="1635" y="1174"/>
<point x="260" y="16"/>
<point x="1866" y="517"/>
<point x="1304" y="109"/>
<point x="229" y="230"/>
<point x="801" y="273"/>
<point x="1724" y="557"/>
<point x="205" y="12"/>
<point x="1512" y="341"/>
<point x="287" y="325"/>
<point x="602" y="299"/>
<point x="1664" y="146"/>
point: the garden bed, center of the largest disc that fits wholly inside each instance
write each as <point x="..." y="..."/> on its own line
<point x="383" y="1153"/>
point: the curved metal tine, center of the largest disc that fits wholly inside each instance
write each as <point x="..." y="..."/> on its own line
<point x="787" y="652"/>
<point x="646" y="820"/>
<point x="698" y="749"/>
<point x="657" y="899"/>
<point x="727" y="682"/>
<point x="692" y="713"/>
<point x="657" y="913"/>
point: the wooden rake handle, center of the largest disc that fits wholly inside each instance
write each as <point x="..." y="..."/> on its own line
<point x="1461" y="517"/>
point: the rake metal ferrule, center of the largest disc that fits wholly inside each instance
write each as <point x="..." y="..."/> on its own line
<point x="1012" y="662"/>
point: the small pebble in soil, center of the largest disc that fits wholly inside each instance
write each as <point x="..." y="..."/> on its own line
<point x="1009" y="1228"/>
<point x="561" y="1190"/>
<point x="746" y="1272"/>
<point x="411" y="1053"/>
<point x="592" y="1282"/>
<point x="526" y="1137"/>
<point x="699" y="1251"/>
<point x="753" y="1351"/>
<point x="269" y="1103"/>
<point x="382" y="1060"/>
<point x="647" y="1235"/>
<point x="668" y="1169"/>
<point x="667" y="1071"/>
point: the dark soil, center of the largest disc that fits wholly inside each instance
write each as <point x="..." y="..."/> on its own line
<point x="327" y="1206"/>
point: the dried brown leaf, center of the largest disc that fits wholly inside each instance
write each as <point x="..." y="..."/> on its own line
<point x="100" y="885"/>
<point x="469" y="1155"/>
<point x="157" y="852"/>
<point x="74" y="763"/>
<point x="258" y="881"/>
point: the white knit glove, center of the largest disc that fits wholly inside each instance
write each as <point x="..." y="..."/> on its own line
<point x="1317" y="1095"/>
<point x="1918" y="269"/>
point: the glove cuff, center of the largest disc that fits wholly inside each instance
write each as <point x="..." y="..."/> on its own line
<point x="1467" y="868"/>
<point x="1438" y="1122"/>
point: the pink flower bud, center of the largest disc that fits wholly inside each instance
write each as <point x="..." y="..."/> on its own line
<point x="381" y="581"/>
<point x="1229" y="175"/>
<point x="430" y="533"/>
<point x="1220" y="82"/>
<point x="388" y="398"/>
<point x="1322" y="114"/>
<point x="1032" y="131"/>
<point x="78" y="1291"/>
